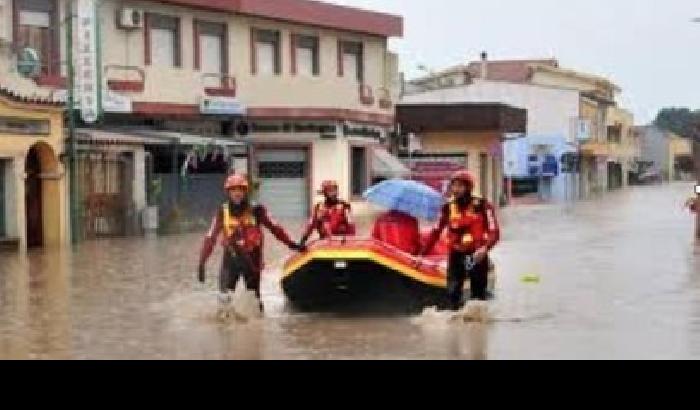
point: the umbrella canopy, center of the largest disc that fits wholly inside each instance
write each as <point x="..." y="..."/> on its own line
<point x="411" y="197"/>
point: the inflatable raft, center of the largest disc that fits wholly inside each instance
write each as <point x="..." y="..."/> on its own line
<point x="338" y="275"/>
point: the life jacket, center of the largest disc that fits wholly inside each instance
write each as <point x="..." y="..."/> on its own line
<point x="333" y="217"/>
<point x="468" y="227"/>
<point x="244" y="228"/>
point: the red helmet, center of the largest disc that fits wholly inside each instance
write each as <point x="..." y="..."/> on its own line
<point x="236" y="181"/>
<point x="326" y="185"/>
<point x="464" y="176"/>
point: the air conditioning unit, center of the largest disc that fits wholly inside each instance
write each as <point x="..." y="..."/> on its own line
<point x="130" y="18"/>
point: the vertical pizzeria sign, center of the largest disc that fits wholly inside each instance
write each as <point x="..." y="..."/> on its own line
<point x="86" y="59"/>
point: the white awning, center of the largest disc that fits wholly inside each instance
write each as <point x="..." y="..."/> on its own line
<point x="386" y="165"/>
<point x="148" y="137"/>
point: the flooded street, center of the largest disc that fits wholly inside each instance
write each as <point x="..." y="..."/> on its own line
<point x="619" y="277"/>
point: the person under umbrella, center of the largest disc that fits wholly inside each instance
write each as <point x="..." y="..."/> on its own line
<point x="406" y="201"/>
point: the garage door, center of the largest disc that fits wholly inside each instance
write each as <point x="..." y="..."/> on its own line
<point x="283" y="183"/>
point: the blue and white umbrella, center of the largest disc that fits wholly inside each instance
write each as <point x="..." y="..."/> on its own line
<point x="411" y="197"/>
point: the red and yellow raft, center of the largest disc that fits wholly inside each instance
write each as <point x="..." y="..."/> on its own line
<point x="364" y="274"/>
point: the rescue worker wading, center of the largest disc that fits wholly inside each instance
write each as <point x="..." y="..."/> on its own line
<point x="330" y="217"/>
<point x="473" y="232"/>
<point x="241" y="225"/>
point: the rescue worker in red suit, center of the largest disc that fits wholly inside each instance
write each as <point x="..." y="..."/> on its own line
<point x="331" y="217"/>
<point x="398" y="229"/>
<point x="473" y="232"/>
<point x="239" y="223"/>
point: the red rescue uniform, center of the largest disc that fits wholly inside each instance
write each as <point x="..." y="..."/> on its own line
<point x="240" y="230"/>
<point x="472" y="224"/>
<point x="329" y="219"/>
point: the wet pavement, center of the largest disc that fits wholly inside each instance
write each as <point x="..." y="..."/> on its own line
<point x="619" y="277"/>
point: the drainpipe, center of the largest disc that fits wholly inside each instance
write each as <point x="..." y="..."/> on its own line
<point x="71" y="122"/>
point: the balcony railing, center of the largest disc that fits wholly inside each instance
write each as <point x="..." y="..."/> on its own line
<point x="226" y="85"/>
<point x="385" y="101"/>
<point x="366" y="95"/>
<point x="130" y="79"/>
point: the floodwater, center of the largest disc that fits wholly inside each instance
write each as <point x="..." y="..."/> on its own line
<point x="618" y="277"/>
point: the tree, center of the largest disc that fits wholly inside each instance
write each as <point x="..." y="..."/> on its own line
<point x="680" y="121"/>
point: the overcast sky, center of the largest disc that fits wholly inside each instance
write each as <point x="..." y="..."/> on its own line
<point x="648" y="47"/>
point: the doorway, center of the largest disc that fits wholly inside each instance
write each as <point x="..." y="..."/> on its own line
<point x="34" y="200"/>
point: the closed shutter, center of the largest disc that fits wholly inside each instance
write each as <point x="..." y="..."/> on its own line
<point x="283" y="182"/>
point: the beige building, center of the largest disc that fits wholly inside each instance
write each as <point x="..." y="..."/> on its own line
<point x="33" y="200"/>
<point x="679" y="149"/>
<point x="310" y="85"/>
<point x="624" y="145"/>
<point x="599" y="172"/>
<point x="469" y="135"/>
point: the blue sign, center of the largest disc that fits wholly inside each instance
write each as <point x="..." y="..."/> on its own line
<point x="550" y="167"/>
<point x="222" y="106"/>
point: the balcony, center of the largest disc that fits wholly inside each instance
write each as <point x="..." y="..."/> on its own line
<point x="366" y="95"/>
<point x="385" y="101"/>
<point x="219" y="85"/>
<point x="128" y="79"/>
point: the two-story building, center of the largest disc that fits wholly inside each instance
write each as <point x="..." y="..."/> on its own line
<point x="567" y="113"/>
<point x="309" y="86"/>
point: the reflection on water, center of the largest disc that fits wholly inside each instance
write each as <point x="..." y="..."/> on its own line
<point x="620" y="278"/>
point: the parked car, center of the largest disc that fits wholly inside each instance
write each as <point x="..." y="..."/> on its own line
<point x="650" y="178"/>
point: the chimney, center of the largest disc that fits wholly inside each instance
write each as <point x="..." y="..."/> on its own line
<point x="484" y="65"/>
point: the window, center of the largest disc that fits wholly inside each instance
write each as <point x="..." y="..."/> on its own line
<point x="36" y="27"/>
<point x="615" y="134"/>
<point x="350" y="60"/>
<point x="14" y="125"/>
<point x="211" y="48"/>
<point x="266" y="57"/>
<point x="163" y="41"/>
<point x="305" y="58"/>
<point x="359" y="170"/>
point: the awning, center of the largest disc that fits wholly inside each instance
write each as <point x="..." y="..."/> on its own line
<point x="385" y="165"/>
<point x="148" y="137"/>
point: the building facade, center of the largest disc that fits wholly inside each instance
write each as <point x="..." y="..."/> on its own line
<point x="309" y="86"/>
<point x="663" y="152"/>
<point x="461" y="136"/>
<point x="567" y="111"/>
<point x="33" y="200"/>
<point x="551" y="116"/>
